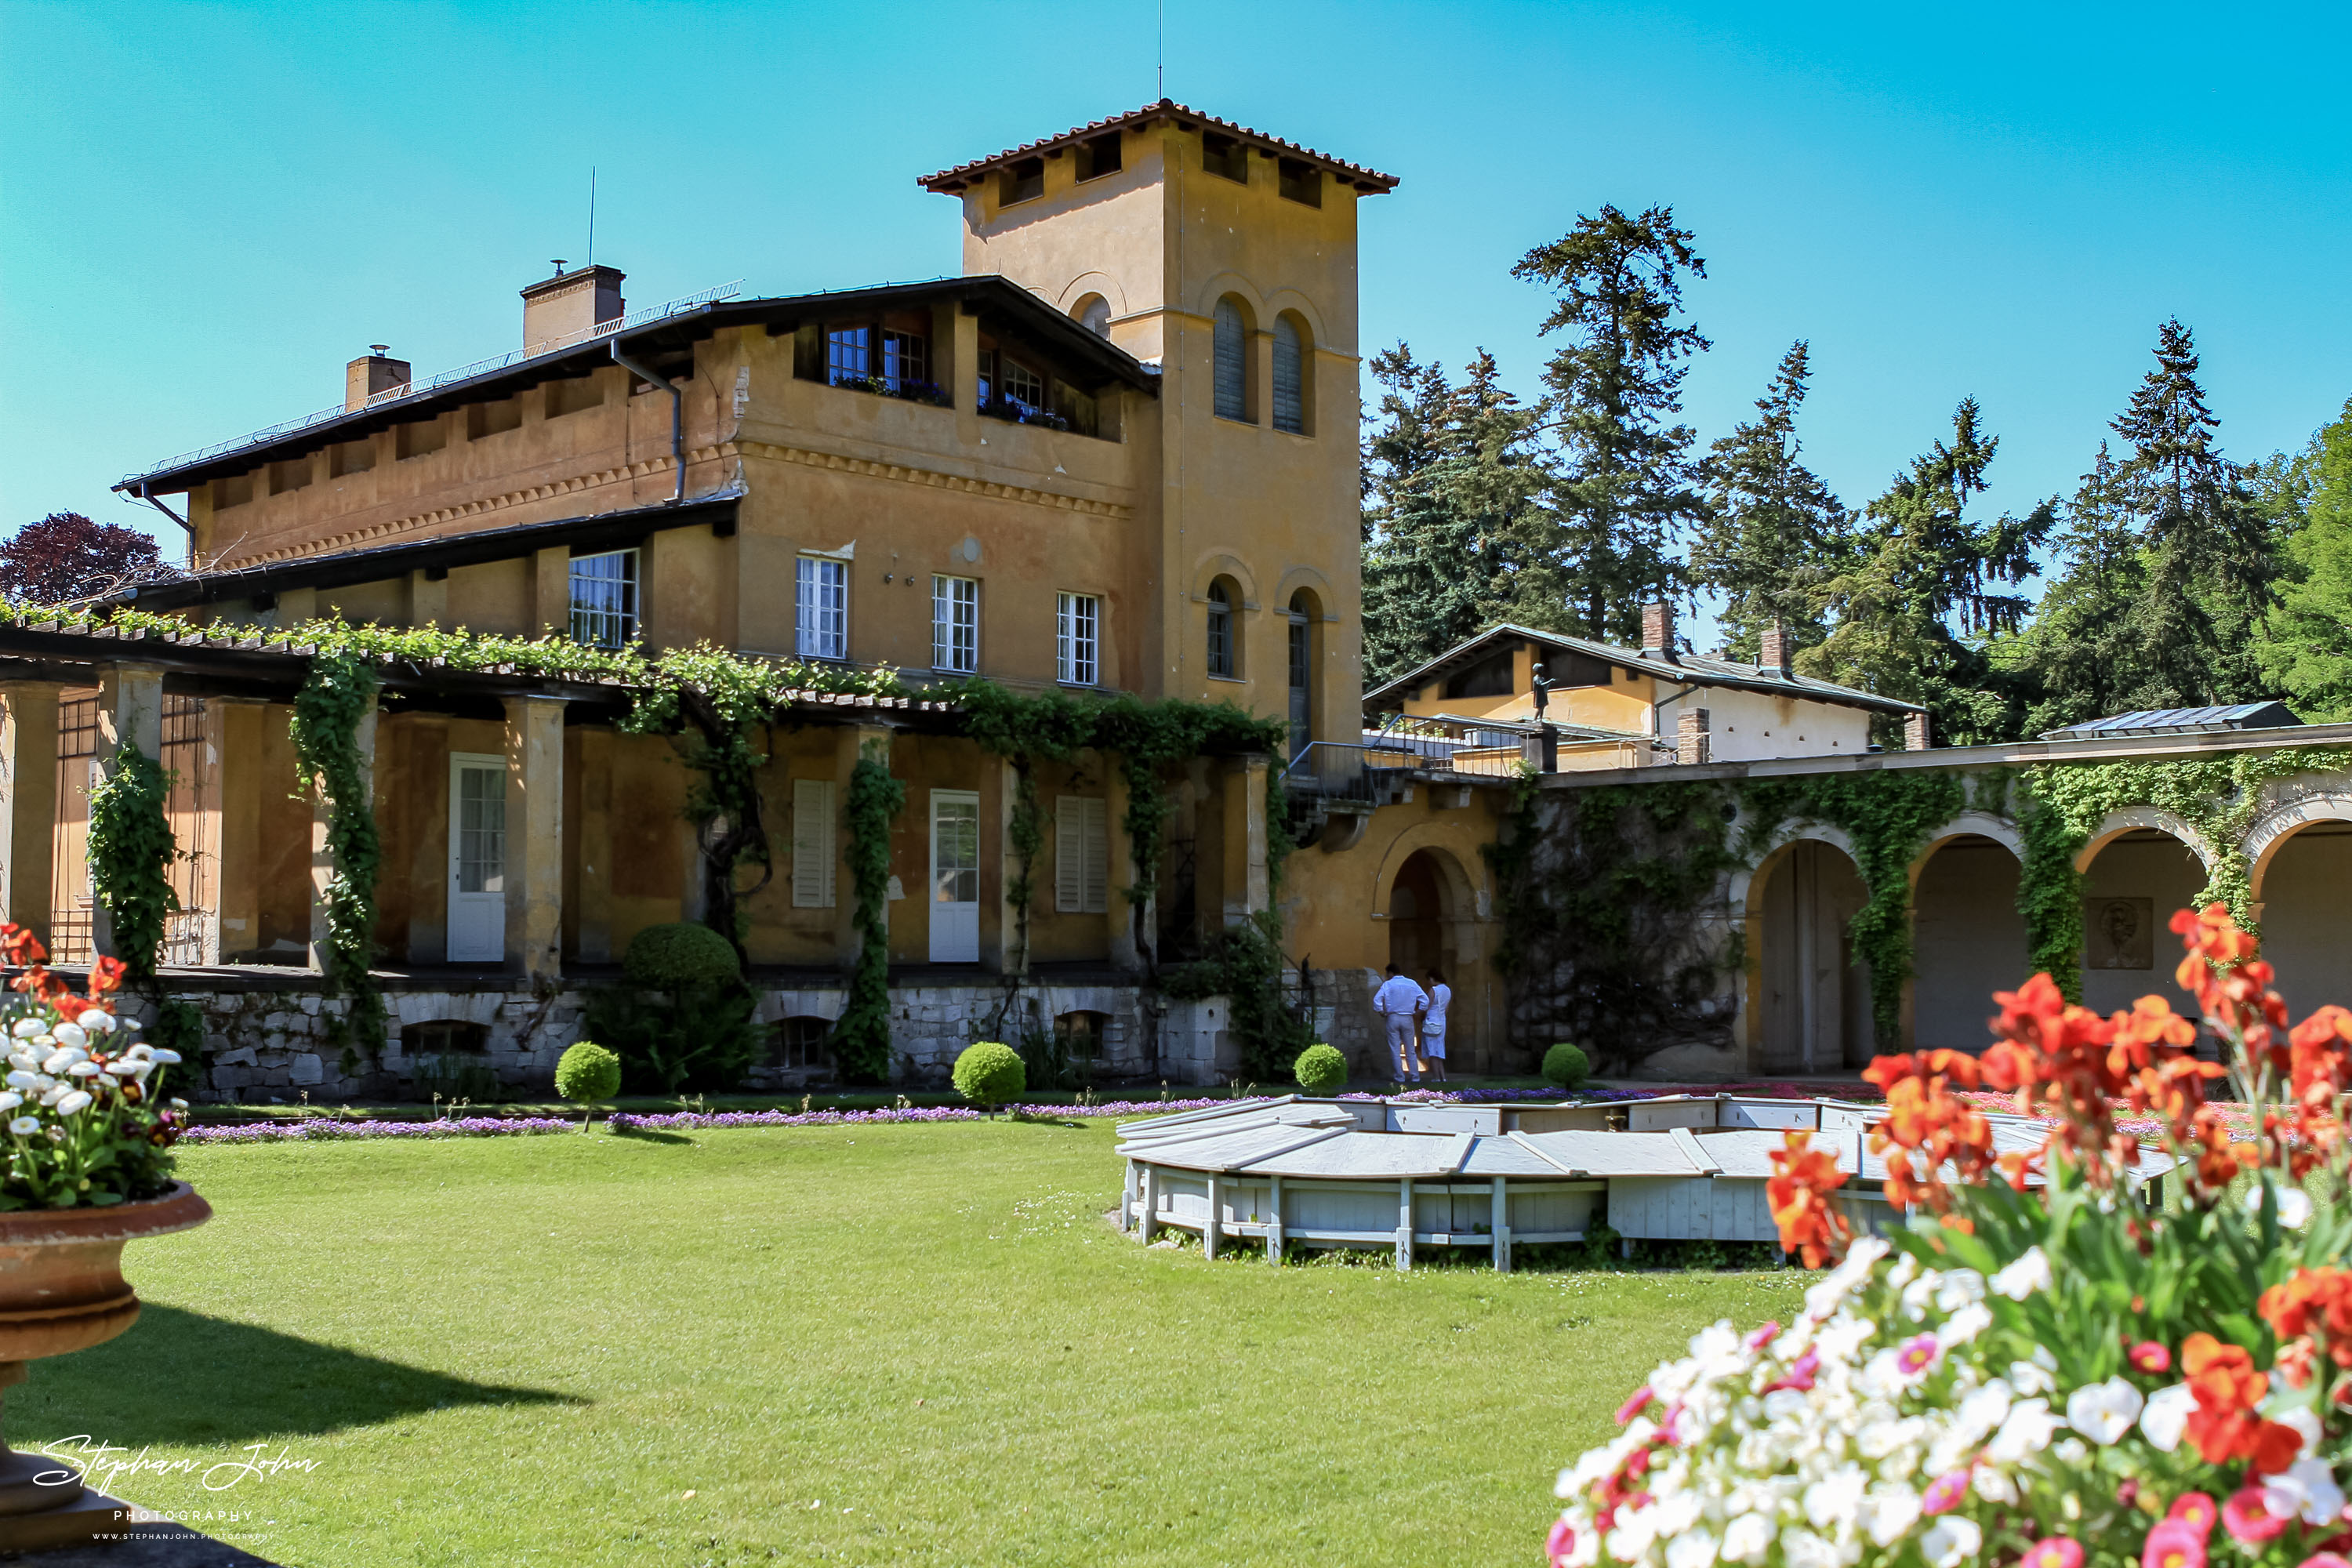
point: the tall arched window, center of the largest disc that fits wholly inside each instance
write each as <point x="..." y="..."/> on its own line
<point x="1233" y="360"/>
<point x="1302" y="669"/>
<point x="1221" y="661"/>
<point x="1094" y="315"/>
<point x="1289" y="377"/>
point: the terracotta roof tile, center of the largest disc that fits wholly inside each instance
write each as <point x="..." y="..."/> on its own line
<point x="1372" y="181"/>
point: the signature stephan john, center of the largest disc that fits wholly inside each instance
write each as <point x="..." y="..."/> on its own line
<point x="92" y="1462"/>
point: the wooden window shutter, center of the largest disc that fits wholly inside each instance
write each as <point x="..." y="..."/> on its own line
<point x="813" y="851"/>
<point x="1069" y="854"/>
<point x="1098" y="856"/>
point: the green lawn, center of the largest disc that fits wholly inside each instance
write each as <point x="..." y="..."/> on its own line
<point x="883" y="1345"/>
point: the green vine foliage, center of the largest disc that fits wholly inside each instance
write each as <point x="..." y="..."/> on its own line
<point x="2217" y="797"/>
<point x="861" y="1037"/>
<point x="130" y="853"/>
<point x="328" y="709"/>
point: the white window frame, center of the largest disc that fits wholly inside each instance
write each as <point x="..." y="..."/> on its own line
<point x="955" y="623"/>
<point x="606" y="615"/>
<point x="821" y="608"/>
<point x="1081" y="855"/>
<point x="1077" y="639"/>
<point x="1019" y="385"/>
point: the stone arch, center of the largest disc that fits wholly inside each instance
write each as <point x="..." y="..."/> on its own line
<point x="1969" y="936"/>
<point x="1290" y="301"/>
<point x="2271" y="832"/>
<point x="1746" y="881"/>
<point x="1804" y="1004"/>
<point x="1971" y="824"/>
<point x="1093" y="282"/>
<point x="1240" y="288"/>
<point x="1426" y="836"/>
<point x="1296" y="577"/>
<point x="1222" y="564"/>
<point x="2151" y="818"/>
<point x="1450" y="935"/>
<point x="2299" y="854"/>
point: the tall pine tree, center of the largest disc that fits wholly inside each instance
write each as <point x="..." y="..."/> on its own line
<point x="1914" y="612"/>
<point x="2307" y="647"/>
<point x="2084" y="656"/>
<point x="1776" y="535"/>
<point x="1623" y="485"/>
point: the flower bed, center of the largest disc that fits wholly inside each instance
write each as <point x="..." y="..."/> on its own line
<point x="2045" y="1379"/>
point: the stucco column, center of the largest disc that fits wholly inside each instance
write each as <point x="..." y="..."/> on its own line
<point x="427" y="806"/>
<point x="1000" y="925"/>
<point x="234" y="727"/>
<point x="129" y="715"/>
<point x="1125" y="953"/>
<point x="427" y="598"/>
<point x="534" y="849"/>
<point x="28" y="777"/>
<point x="594" y="877"/>
<point x="852" y="741"/>
<point x="1243" y="799"/>
<point x="322" y="858"/>
<point x="551" y="591"/>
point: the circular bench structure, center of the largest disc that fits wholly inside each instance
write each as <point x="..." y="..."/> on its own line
<point x="1403" y="1175"/>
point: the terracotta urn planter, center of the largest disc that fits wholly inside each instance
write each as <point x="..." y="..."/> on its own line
<point x="61" y="1290"/>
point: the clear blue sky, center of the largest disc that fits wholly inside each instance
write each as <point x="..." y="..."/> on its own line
<point x="205" y="210"/>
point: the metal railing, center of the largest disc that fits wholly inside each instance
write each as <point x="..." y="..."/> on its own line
<point x="1352" y="770"/>
<point x="413" y="388"/>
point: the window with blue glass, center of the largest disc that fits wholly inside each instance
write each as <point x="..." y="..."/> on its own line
<point x="604" y="599"/>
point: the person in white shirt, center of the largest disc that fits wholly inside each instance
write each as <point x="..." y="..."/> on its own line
<point x="1400" y="1003"/>
<point x="1433" y="1025"/>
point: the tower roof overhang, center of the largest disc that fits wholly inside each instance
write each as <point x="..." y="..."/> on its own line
<point x="1364" y="182"/>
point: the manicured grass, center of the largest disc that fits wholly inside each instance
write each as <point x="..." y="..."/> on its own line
<point x="916" y="1345"/>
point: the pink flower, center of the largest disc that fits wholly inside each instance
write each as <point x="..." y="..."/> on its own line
<point x="1917" y="1354"/>
<point x="1764" y="1335"/>
<point x="2325" y="1560"/>
<point x="2173" y="1543"/>
<point x="2150" y="1357"/>
<point x="2247" y="1521"/>
<point x="1801" y="1374"/>
<point x="1559" y="1543"/>
<point x="1635" y="1406"/>
<point x="1945" y="1493"/>
<point x="2196" y="1510"/>
<point x="2053" y="1551"/>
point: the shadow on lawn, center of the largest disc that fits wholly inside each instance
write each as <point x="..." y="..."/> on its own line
<point x="183" y="1377"/>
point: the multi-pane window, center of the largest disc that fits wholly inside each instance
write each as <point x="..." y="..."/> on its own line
<point x="955" y="623"/>
<point x="905" y="358"/>
<point x="1022" y="386"/>
<point x="481" y="830"/>
<point x="604" y="599"/>
<point x="1289" y="378"/>
<point x="1077" y="639"/>
<point x="1233" y="360"/>
<point x="822" y="601"/>
<point x="986" y="365"/>
<point x="1220" y="630"/>
<point x="848" y="354"/>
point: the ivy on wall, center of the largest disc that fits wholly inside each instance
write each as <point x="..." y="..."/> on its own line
<point x="130" y="850"/>
<point x="2217" y="797"/>
<point x="332" y="703"/>
<point x="861" y="1035"/>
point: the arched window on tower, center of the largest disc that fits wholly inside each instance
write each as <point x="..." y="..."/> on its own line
<point x="1232" y="361"/>
<point x="1289" y="376"/>
<point x="1222" y="655"/>
<point x="1094" y="315"/>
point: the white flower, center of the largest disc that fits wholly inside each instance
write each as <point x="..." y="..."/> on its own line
<point x="1888" y="1512"/>
<point x="72" y="1103"/>
<point x="72" y="1034"/>
<point x="1748" y="1538"/>
<point x="167" y="1057"/>
<point x="2166" y="1416"/>
<point x="2031" y="1379"/>
<point x="128" y="1023"/>
<point x="120" y="1069"/>
<point x="1952" y="1541"/>
<point x="64" y="1057"/>
<point x="1994" y="1485"/>
<point x="11" y="1099"/>
<point x="25" y="1078"/>
<point x="1964" y="1325"/>
<point x="1803" y="1548"/>
<point x="2068" y="1451"/>
<point x="1692" y="1548"/>
<point x="1833" y="1502"/>
<point x="2026" y="1433"/>
<point x="2293" y="1207"/>
<point x="2103" y="1412"/>
<point x="179" y="1105"/>
<point x="56" y="1091"/>
<point x="1960" y="1286"/>
<point x="2303" y="1419"/>
<point x="2305" y="1488"/>
<point x="24" y="1126"/>
<point x="2021" y="1279"/>
<point x="97" y="1020"/>
<point x="84" y="1069"/>
<point x="26" y="1029"/>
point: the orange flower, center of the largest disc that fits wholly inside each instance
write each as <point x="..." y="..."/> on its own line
<point x="1798" y="1192"/>
<point x="2224" y="1425"/>
<point x="1927" y="1126"/>
<point x="2313" y="1304"/>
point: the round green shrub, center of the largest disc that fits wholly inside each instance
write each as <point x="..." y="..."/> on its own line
<point x="989" y="1074"/>
<point x="587" y="1073"/>
<point x="1566" y="1065"/>
<point x="682" y="957"/>
<point x="1320" y="1069"/>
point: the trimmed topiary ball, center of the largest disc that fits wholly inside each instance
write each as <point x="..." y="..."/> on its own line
<point x="587" y="1073"/>
<point x="989" y="1074"/>
<point x="1320" y="1069"/>
<point x="682" y="957"/>
<point x="1566" y="1065"/>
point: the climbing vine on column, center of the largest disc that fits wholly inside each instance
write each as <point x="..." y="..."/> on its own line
<point x="328" y="709"/>
<point x="130" y="850"/>
<point x="861" y="1037"/>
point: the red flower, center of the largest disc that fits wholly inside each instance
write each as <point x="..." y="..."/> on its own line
<point x="2150" y="1357"/>
<point x="1798" y="1192"/>
<point x="2224" y="1426"/>
<point x="2247" y="1521"/>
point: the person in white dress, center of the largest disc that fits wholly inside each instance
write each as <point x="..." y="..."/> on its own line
<point x="1433" y="1025"/>
<point x="1400" y="1003"/>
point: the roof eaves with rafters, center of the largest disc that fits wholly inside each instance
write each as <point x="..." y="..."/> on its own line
<point x="1368" y="182"/>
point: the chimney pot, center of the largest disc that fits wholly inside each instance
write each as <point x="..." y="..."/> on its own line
<point x="1691" y="740"/>
<point x="370" y="373"/>
<point x="1776" y="649"/>
<point x="1658" y="628"/>
<point x="571" y="305"/>
<point x="1914" y="733"/>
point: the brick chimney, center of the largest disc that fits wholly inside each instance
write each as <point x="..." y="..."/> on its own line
<point x="1914" y="733"/>
<point x="371" y="372"/>
<point x="570" y="303"/>
<point x="1658" y="628"/>
<point x="1691" y="737"/>
<point x="1775" y="657"/>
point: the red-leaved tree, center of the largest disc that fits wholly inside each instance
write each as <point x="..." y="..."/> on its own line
<point x="65" y="556"/>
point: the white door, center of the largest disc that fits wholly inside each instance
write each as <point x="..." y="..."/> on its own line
<point x="477" y="856"/>
<point x="955" y="877"/>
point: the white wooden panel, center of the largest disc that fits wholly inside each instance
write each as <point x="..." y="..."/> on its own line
<point x="1780" y="1113"/>
<point x="1539" y="1209"/>
<point x="1557" y="1119"/>
<point x="813" y="844"/>
<point x="1654" y="1115"/>
<point x="1315" y="1207"/>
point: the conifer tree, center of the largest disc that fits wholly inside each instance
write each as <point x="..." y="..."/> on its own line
<point x="2306" y="648"/>
<point x="1926" y="591"/>
<point x="2085" y="655"/>
<point x="1623" y="485"/>
<point x="1776" y="535"/>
